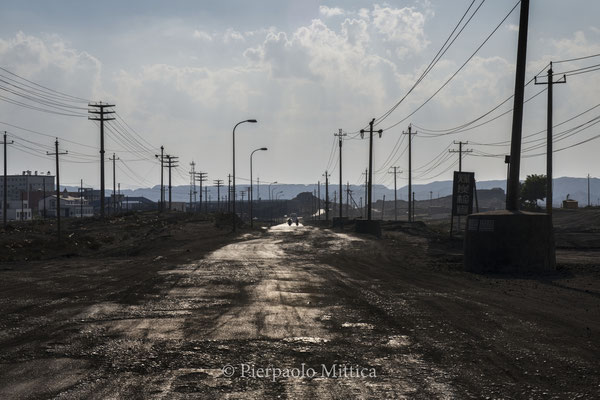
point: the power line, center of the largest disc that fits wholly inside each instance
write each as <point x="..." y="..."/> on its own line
<point x="457" y="71"/>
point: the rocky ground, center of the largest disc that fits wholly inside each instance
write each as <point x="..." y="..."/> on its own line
<point x="174" y="307"/>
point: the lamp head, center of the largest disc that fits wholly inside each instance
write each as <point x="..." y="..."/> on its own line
<point x="252" y="120"/>
<point x="264" y="148"/>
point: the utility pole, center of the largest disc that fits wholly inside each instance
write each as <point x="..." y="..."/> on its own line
<point x="550" y="82"/>
<point x="162" y="186"/>
<point x="57" y="153"/>
<point x="242" y="193"/>
<point x="396" y="172"/>
<point x="219" y="183"/>
<point x="383" y="208"/>
<point x="413" y="206"/>
<point x="326" y="196"/>
<point x="114" y="193"/>
<point x="410" y="133"/>
<point x="366" y="191"/>
<point x="370" y="191"/>
<point x="348" y="199"/>
<point x="340" y="135"/>
<point x="201" y="177"/>
<point x="171" y="162"/>
<point x="460" y="152"/>
<point x="229" y="193"/>
<point x="44" y="188"/>
<point x="512" y="195"/>
<point x="81" y="199"/>
<point x="4" y="200"/>
<point x="319" y="197"/>
<point x="589" y="204"/>
<point x="192" y="183"/>
<point x="206" y="199"/>
<point x="101" y="115"/>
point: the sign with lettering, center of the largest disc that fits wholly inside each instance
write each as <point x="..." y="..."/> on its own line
<point x="462" y="193"/>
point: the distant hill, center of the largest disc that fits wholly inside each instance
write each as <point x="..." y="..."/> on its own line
<point x="575" y="187"/>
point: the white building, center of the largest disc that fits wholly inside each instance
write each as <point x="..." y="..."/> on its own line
<point x="70" y="206"/>
<point x="17" y="211"/>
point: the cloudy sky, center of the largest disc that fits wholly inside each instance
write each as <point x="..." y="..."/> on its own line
<point x="183" y="73"/>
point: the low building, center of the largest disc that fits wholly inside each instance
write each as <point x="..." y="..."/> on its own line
<point x="570" y="203"/>
<point x="76" y="207"/>
<point x="17" y="211"/>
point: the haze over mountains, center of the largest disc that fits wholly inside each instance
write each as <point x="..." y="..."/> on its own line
<point x="576" y="188"/>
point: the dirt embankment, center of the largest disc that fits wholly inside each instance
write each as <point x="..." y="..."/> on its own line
<point x="129" y="235"/>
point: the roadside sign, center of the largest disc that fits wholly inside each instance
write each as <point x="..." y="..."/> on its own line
<point x="462" y="193"/>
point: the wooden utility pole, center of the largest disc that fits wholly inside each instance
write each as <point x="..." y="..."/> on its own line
<point x="219" y="183"/>
<point x="114" y="194"/>
<point x="101" y="116"/>
<point x="370" y="185"/>
<point x="348" y="199"/>
<point x="4" y="200"/>
<point x="550" y="82"/>
<point x="57" y="153"/>
<point x="396" y="172"/>
<point x="340" y="135"/>
<point x="319" y="197"/>
<point x="512" y="197"/>
<point x="171" y="163"/>
<point x="162" y="185"/>
<point x="326" y="195"/>
<point x="460" y="152"/>
<point x="410" y="133"/>
<point x="192" y="184"/>
<point x="201" y="177"/>
<point x="229" y="193"/>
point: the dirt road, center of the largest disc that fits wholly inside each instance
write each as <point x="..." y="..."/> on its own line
<point x="302" y="312"/>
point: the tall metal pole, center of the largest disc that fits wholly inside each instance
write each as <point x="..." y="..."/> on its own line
<point x="251" y="194"/>
<point x="512" y="202"/>
<point x="233" y="189"/>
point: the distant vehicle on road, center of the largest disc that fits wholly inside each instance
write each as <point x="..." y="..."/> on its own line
<point x="293" y="219"/>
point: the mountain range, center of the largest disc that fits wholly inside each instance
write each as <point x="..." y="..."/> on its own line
<point x="576" y="188"/>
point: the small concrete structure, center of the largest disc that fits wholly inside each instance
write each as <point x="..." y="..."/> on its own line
<point x="509" y="241"/>
<point x="569" y="203"/>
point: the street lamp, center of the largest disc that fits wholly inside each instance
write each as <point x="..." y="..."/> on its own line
<point x="236" y="125"/>
<point x="270" y="194"/>
<point x="251" y="190"/>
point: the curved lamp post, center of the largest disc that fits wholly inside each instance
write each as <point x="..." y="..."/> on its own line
<point x="251" y="190"/>
<point x="270" y="194"/>
<point x="236" y="125"/>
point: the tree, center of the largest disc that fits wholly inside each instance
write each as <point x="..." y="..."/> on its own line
<point x="532" y="190"/>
